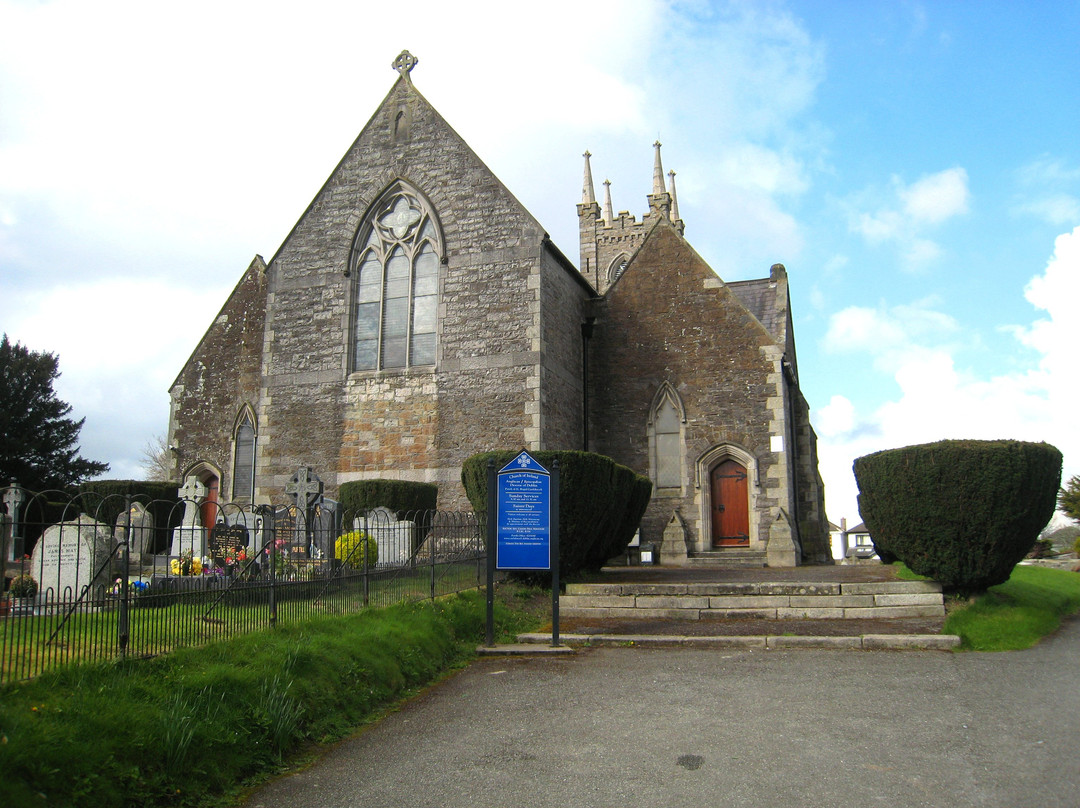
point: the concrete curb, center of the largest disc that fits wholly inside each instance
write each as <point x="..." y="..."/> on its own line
<point x="526" y="649"/>
<point x="865" y="642"/>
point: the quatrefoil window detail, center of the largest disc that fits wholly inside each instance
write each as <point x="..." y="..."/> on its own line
<point x="401" y="219"/>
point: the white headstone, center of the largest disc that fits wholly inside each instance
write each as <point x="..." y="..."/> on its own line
<point x="190" y="537"/>
<point x="394" y="538"/>
<point x="68" y="555"/>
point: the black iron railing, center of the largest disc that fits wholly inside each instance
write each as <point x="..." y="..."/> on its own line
<point x="134" y="588"/>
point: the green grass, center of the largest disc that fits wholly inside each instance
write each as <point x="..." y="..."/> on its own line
<point x="904" y="574"/>
<point x="188" y="727"/>
<point x="1018" y="613"/>
<point x="28" y="646"/>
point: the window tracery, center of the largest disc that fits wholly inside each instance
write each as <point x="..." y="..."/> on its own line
<point x="397" y="283"/>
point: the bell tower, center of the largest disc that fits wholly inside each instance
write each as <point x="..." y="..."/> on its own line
<point x="607" y="242"/>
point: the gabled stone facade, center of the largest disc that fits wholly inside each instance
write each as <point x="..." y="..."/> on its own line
<point x="500" y="343"/>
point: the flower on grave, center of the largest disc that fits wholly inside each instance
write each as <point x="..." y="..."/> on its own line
<point x="186" y="564"/>
<point x="134" y="587"/>
<point x="235" y="556"/>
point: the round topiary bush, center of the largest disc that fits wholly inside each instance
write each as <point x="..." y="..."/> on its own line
<point x="352" y="547"/>
<point x="962" y="512"/>
<point x="23" y="586"/>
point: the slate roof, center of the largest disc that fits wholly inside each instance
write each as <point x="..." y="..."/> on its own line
<point x="759" y="296"/>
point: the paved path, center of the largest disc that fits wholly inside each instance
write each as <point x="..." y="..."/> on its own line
<point x="681" y="727"/>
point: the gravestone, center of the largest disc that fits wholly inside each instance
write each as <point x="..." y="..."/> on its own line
<point x="190" y="537"/>
<point x="394" y="538"/>
<point x="68" y="556"/>
<point x="141" y="536"/>
<point x="14" y="497"/>
<point x="290" y="531"/>
<point x="324" y="529"/>
<point x="306" y="490"/>
<point x="247" y="518"/>
<point x="224" y="538"/>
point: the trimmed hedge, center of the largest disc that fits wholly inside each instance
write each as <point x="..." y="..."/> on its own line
<point x="962" y="512"/>
<point x="401" y="496"/>
<point x="104" y="500"/>
<point x="601" y="502"/>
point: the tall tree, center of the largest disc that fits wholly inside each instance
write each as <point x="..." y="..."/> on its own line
<point x="157" y="460"/>
<point x="39" y="443"/>
<point x="1069" y="497"/>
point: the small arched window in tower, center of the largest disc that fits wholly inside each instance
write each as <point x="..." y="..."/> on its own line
<point x="396" y="261"/>
<point x="244" y="459"/>
<point x="617" y="268"/>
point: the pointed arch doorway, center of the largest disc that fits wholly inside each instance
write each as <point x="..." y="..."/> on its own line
<point x="729" y="504"/>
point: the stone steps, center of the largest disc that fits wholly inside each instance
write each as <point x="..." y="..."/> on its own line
<point x="753" y="600"/>
<point x="728" y="557"/>
<point x="865" y="642"/>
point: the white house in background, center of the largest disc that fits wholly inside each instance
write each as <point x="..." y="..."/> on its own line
<point x="853" y="543"/>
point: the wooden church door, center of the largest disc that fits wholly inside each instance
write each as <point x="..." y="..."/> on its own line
<point x="730" y="506"/>
<point x="209" y="505"/>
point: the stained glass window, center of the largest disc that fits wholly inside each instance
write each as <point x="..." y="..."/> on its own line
<point x="396" y="264"/>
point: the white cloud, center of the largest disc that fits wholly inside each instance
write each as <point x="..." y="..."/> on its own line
<point x="1049" y="190"/>
<point x="917" y="346"/>
<point x="938" y="197"/>
<point x="903" y="219"/>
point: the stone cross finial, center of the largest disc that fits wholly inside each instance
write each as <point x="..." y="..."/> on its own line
<point x="404" y="63"/>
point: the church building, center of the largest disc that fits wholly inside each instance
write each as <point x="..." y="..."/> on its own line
<point x="417" y="314"/>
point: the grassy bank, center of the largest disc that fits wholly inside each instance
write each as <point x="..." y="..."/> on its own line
<point x="183" y="728"/>
<point x="1018" y="613"/>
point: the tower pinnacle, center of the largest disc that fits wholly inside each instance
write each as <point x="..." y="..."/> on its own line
<point x="588" y="195"/>
<point x="607" y="203"/>
<point x="657" y="172"/>
<point x="674" y="199"/>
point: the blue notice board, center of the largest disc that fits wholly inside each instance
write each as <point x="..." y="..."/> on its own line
<point x="523" y="515"/>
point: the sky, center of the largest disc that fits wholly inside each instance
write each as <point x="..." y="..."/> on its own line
<point x="915" y="166"/>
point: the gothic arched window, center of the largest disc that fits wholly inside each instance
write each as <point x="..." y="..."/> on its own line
<point x="244" y="458"/>
<point x="665" y="430"/>
<point x="396" y="261"/>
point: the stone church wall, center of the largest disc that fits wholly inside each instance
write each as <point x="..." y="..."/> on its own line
<point x="670" y="319"/>
<point x="222" y="375"/>
<point x="422" y="422"/>
<point x="563" y="301"/>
